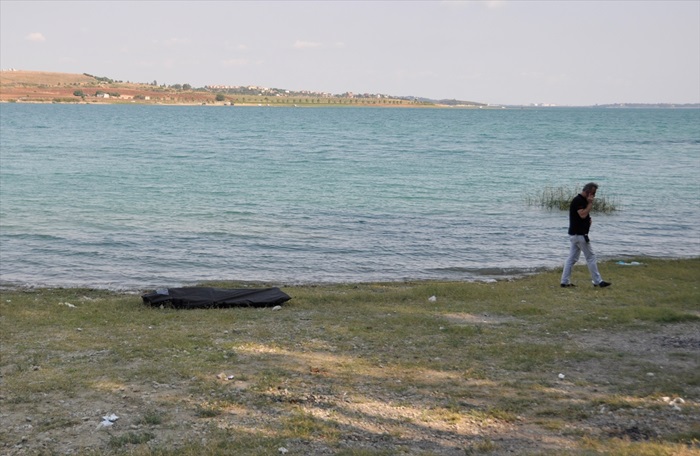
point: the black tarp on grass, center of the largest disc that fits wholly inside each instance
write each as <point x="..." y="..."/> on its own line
<point x="205" y="297"/>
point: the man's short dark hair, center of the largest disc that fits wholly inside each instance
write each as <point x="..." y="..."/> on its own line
<point x="590" y="186"/>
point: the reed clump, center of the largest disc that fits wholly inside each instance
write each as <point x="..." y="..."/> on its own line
<point x="559" y="198"/>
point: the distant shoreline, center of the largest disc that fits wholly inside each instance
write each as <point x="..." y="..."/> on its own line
<point x="248" y="105"/>
<point x="21" y="86"/>
<point x="379" y="106"/>
<point x="48" y="87"/>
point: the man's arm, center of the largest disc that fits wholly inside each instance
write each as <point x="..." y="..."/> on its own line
<point x="585" y="212"/>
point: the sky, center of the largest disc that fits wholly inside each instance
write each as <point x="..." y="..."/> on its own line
<point x="577" y="53"/>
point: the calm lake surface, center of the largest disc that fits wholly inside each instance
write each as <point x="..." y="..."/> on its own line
<point x="135" y="197"/>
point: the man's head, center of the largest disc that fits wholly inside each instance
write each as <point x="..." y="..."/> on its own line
<point x="590" y="189"/>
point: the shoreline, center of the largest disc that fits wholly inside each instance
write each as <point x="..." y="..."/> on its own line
<point x="8" y="286"/>
<point x="264" y="105"/>
<point x="690" y="106"/>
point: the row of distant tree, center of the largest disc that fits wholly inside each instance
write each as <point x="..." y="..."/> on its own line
<point x="242" y="90"/>
<point x="154" y="83"/>
<point x="274" y="92"/>
<point x="101" y="78"/>
<point x="81" y="94"/>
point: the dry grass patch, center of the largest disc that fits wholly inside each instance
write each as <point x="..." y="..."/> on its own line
<point x="24" y="77"/>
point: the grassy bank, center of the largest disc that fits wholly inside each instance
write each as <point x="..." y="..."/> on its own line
<point x="367" y="369"/>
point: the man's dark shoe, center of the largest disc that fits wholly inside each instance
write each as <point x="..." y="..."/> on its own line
<point x="602" y="284"/>
<point x="567" y="285"/>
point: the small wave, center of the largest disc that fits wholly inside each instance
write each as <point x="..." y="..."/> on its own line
<point x="656" y="142"/>
<point x="491" y="271"/>
<point x="33" y="236"/>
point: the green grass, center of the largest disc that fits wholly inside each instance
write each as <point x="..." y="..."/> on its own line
<point x="559" y="198"/>
<point x="132" y="438"/>
<point x="358" y="369"/>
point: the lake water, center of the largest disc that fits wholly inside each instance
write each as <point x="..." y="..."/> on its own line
<point x="135" y="197"/>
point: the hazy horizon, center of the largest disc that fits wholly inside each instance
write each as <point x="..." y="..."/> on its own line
<point x="496" y="52"/>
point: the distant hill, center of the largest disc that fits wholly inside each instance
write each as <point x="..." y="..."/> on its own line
<point x="16" y="77"/>
<point x="452" y="102"/>
<point x="47" y="87"/>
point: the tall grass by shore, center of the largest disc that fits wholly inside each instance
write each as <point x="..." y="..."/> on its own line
<point x="560" y="198"/>
<point x="423" y="368"/>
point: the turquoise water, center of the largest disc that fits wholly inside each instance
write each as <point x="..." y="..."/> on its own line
<point x="134" y="197"/>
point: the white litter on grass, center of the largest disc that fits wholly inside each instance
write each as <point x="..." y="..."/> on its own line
<point x="674" y="404"/>
<point x="282" y="450"/>
<point x="432" y="298"/>
<point x="67" y="304"/>
<point x="561" y="376"/>
<point x="277" y="308"/>
<point x="108" y="420"/>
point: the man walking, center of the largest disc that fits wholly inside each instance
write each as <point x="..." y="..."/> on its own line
<point x="579" y="224"/>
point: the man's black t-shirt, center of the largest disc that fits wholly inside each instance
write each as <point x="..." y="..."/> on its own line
<point x="578" y="225"/>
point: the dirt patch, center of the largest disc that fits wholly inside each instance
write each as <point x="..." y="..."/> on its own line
<point x="400" y="422"/>
<point x="665" y="348"/>
<point x="477" y="319"/>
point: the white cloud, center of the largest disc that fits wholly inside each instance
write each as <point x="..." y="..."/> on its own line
<point x="239" y="62"/>
<point x="300" y="44"/>
<point x="177" y="41"/>
<point x="532" y="74"/>
<point x="35" y="37"/>
<point x="495" y="3"/>
<point x="172" y="42"/>
<point x="491" y="4"/>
